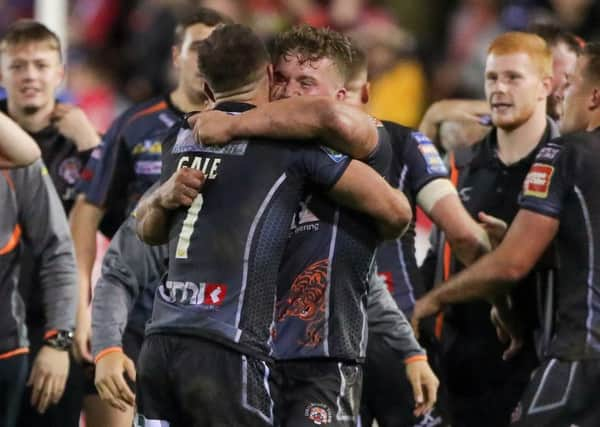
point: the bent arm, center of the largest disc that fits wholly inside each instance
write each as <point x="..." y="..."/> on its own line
<point x="441" y="203"/>
<point x="153" y="220"/>
<point x="495" y="273"/>
<point x="45" y="226"/>
<point x="341" y="126"/>
<point x="17" y="148"/>
<point x="362" y="189"/>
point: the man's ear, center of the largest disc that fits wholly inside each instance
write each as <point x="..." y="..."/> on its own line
<point x="341" y="94"/>
<point x="365" y="93"/>
<point x="547" y="86"/>
<point x="175" y="55"/>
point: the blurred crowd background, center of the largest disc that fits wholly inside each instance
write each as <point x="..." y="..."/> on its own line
<point x="419" y="50"/>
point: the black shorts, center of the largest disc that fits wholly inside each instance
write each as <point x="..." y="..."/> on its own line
<point x="561" y="394"/>
<point x="187" y="381"/>
<point x="387" y="393"/>
<point x="319" y="392"/>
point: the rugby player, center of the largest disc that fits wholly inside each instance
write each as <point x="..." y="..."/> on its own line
<point x="559" y="206"/>
<point x="17" y="148"/>
<point x="224" y="310"/>
<point x="125" y="165"/>
<point x="489" y="177"/>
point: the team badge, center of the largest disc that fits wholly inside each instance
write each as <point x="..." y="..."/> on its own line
<point x="318" y="413"/>
<point x="69" y="169"/>
<point x="430" y="154"/>
<point x="537" y="182"/>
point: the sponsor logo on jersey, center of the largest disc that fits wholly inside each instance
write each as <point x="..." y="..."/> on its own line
<point x="207" y="294"/>
<point x="147" y="146"/>
<point x="548" y="153"/>
<point x="69" y="169"/>
<point x="537" y="182"/>
<point x="148" y="167"/>
<point x="185" y="143"/>
<point x="336" y="156"/>
<point x="318" y="413"/>
<point x="435" y="164"/>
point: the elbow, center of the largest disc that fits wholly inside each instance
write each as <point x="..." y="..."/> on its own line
<point x="514" y="272"/>
<point x="397" y="218"/>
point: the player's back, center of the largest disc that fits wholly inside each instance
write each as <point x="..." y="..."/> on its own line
<point x="225" y="249"/>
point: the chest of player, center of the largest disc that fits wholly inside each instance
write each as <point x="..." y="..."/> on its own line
<point x="64" y="163"/>
<point x="145" y="152"/>
<point x="493" y="187"/>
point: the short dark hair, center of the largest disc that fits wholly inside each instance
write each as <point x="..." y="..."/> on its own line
<point x="233" y="56"/>
<point x="202" y="15"/>
<point x="29" y="31"/>
<point x="554" y="35"/>
<point x="592" y="52"/>
<point x="312" y="44"/>
<point x="359" y="63"/>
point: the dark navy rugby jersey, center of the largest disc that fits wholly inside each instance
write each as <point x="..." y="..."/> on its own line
<point x="225" y="250"/>
<point x="416" y="162"/>
<point x="323" y="283"/>
<point x="128" y="161"/>
<point x="563" y="183"/>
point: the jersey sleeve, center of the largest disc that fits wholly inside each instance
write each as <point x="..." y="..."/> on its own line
<point x="380" y="158"/>
<point x="45" y="227"/>
<point x="321" y="165"/>
<point x="548" y="181"/>
<point x="423" y="160"/>
<point x="102" y="177"/>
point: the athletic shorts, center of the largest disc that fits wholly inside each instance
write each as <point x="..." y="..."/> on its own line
<point x="187" y="381"/>
<point x="561" y="394"/>
<point x="319" y="392"/>
<point x="387" y="393"/>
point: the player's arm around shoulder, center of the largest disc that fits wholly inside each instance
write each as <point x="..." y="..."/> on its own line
<point x="339" y="125"/>
<point x="17" y="148"/>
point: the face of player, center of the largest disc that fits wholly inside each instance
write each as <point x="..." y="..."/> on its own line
<point x="31" y="73"/>
<point x="513" y="88"/>
<point x="563" y="62"/>
<point x="576" y="96"/>
<point x="293" y="77"/>
<point x="185" y="59"/>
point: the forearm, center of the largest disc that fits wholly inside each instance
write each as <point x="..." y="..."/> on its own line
<point x="386" y="320"/>
<point x="336" y="124"/>
<point x="110" y="309"/>
<point x="153" y="220"/>
<point x="84" y="221"/>
<point x="17" y="148"/>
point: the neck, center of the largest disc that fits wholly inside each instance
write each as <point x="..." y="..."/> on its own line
<point x="515" y="144"/>
<point x="250" y="94"/>
<point x="187" y="103"/>
<point x="31" y="122"/>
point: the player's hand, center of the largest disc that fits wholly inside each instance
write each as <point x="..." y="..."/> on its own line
<point x="72" y="122"/>
<point x="83" y="335"/>
<point x="181" y="189"/>
<point x="494" y="227"/>
<point x="507" y="330"/>
<point x="48" y="377"/>
<point x="212" y="127"/>
<point x="110" y="380"/>
<point x="424" y="385"/>
<point x="425" y="306"/>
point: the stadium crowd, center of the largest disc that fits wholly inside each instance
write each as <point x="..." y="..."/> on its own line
<point x="262" y="173"/>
